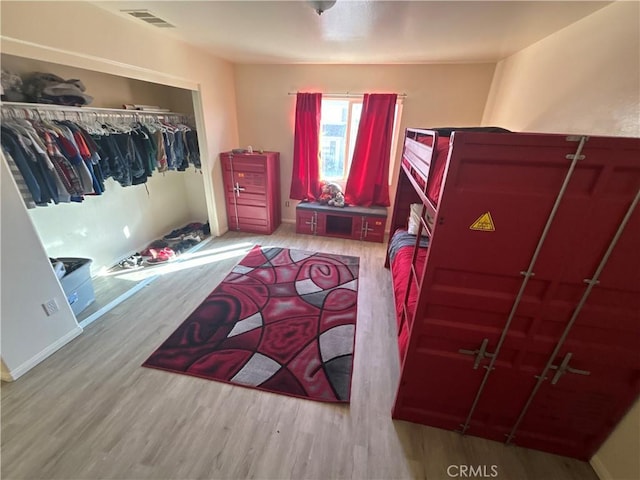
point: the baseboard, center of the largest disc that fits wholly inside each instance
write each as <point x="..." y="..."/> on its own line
<point x="600" y="468"/>
<point x="117" y="301"/>
<point x="39" y="357"/>
<point x="288" y="220"/>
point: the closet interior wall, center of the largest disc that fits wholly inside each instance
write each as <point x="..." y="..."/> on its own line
<point x="123" y="220"/>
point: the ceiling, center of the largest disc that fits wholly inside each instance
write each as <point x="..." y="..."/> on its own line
<point x="353" y="31"/>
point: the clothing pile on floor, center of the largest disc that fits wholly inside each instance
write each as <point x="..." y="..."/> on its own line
<point x="168" y="247"/>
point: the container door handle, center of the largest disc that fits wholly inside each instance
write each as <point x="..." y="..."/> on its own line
<point x="480" y="353"/>
<point x="565" y="368"/>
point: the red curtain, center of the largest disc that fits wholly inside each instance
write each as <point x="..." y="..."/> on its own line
<point x="305" y="178"/>
<point x="368" y="181"/>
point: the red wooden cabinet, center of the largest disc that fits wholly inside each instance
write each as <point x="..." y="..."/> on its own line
<point x="369" y="228"/>
<point x="357" y="223"/>
<point x="306" y="222"/>
<point x="252" y="191"/>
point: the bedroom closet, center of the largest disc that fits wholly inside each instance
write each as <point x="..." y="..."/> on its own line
<point x="128" y="211"/>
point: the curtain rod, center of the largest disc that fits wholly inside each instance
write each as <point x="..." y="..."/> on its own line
<point x="64" y="108"/>
<point x="347" y="94"/>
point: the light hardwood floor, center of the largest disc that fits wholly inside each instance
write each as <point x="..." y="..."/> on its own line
<point x="91" y="411"/>
<point x="109" y="287"/>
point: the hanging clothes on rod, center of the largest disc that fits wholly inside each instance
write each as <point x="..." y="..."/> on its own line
<point x="57" y="159"/>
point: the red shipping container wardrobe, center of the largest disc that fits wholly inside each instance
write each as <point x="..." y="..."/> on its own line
<point x="527" y="329"/>
<point x="252" y="191"/>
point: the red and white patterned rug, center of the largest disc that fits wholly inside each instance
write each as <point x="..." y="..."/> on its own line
<point x="283" y="321"/>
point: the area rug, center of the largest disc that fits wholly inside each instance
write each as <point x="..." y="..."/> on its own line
<point x="283" y="321"/>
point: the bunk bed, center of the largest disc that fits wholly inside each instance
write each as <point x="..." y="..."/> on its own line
<point x="517" y="294"/>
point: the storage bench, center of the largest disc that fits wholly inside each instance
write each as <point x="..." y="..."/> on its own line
<point x="357" y="223"/>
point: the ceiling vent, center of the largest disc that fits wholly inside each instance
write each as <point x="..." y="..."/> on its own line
<point x="147" y="16"/>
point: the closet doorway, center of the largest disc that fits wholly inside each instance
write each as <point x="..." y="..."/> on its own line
<point x="123" y="220"/>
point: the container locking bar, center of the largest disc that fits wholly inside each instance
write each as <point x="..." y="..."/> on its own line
<point x="572" y="156"/>
<point x="592" y="282"/>
<point x="527" y="275"/>
<point x="480" y="353"/>
<point x="565" y="368"/>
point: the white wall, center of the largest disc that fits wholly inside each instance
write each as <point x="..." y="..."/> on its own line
<point x="582" y="79"/>
<point x="437" y="95"/>
<point x="27" y="283"/>
<point x="82" y="35"/>
<point x="619" y="456"/>
<point x="112" y="226"/>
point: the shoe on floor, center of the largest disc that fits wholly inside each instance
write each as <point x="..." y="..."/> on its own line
<point x="185" y="245"/>
<point x="192" y="236"/>
<point x="161" y="256"/>
<point x="133" y="261"/>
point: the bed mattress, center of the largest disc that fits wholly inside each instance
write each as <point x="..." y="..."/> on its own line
<point x="400" y="254"/>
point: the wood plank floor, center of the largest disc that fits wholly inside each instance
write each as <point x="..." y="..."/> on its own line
<point x="110" y="286"/>
<point x="91" y="411"/>
<point x="106" y="289"/>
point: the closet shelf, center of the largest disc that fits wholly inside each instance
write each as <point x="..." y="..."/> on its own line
<point x="94" y="110"/>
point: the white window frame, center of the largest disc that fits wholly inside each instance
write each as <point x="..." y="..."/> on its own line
<point x="348" y="147"/>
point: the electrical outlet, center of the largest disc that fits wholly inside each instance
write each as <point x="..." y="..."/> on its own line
<point x="51" y="307"/>
<point x="287" y="203"/>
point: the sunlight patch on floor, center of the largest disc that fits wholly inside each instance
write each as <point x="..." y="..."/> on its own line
<point x="125" y="274"/>
<point x="198" y="259"/>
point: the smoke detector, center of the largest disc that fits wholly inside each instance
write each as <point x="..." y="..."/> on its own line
<point x="147" y="16"/>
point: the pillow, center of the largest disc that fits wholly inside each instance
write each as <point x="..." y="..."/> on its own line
<point x="414" y="220"/>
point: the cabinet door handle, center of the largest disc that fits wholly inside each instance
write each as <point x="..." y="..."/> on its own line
<point x="238" y="189"/>
<point x="365" y="229"/>
<point x="313" y="223"/>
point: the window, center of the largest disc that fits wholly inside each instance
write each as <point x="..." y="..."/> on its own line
<point x="338" y="131"/>
<point x="338" y="125"/>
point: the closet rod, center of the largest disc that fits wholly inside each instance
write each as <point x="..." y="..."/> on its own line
<point x="347" y="94"/>
<point x="64" y="108"/>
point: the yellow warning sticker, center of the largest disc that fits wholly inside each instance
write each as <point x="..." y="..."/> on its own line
<point x="484" y="223"/>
